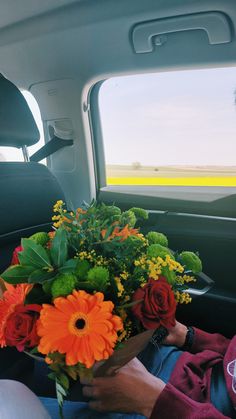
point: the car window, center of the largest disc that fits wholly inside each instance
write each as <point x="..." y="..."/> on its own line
<point x="15" y="154"/>
<point x="175" y="128"/>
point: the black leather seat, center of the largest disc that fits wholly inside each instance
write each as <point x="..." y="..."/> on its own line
<point x="28" y="190"/>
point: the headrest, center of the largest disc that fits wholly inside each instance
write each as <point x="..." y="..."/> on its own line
<point x="17" y="125"/>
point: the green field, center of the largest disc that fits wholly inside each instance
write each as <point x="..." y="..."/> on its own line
<point x="171" y="175"/>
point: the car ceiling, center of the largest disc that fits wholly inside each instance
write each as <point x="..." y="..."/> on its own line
<point x="14" y="11"/>
<point x="91" y="39"/>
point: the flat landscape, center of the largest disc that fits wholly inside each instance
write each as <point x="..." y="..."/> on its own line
<point x="137" y="174"/>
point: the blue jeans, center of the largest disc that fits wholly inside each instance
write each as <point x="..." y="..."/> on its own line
<point x="160" y="362"/>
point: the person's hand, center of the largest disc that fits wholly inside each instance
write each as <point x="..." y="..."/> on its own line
<point x="132" y="389"/>
<point x="177" y="335"/>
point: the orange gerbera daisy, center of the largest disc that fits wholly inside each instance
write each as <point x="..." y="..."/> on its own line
<point x="81" y="326"/>
<point x="13" y="296"/>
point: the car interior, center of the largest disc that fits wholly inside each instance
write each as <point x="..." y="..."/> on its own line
<point x="64" y="52"/>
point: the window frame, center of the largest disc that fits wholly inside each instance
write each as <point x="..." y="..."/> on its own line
<point x="185" y="203"/>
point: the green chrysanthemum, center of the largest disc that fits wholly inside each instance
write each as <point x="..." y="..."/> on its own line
<point x="191" y="261"/>
<point x="128" y="217"/>
<point x="40" y="238"/>
<point x="157" y="238"/>
<point x="140" y="213"/>
<point x="63" y="285"/>
<point x="156" y="250"/>
<point x="111" y="211"/>
<point x="98" y="277"/>
<point x="82" y="269"/>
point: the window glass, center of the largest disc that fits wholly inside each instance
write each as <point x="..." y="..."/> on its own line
<point x="172" y="128"/>
<point x="15" y="154"/>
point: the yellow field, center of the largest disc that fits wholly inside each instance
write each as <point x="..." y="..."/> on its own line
<point x="191" y="181"/>
<point x="171" y="176"/>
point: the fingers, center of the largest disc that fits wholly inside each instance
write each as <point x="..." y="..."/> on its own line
<point x="92" y="389"/>
<point x="103" y="405"/>
<point x="96" y="405"/>
<point x="89" y="391"/>
<point x="85" y="381"/>
<point x="97" y="365"/>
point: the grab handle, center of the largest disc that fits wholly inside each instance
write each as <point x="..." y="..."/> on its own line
<point x="215" y="24"/>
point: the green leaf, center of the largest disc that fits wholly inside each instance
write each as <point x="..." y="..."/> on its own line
<point x="64" y="381"/>
<point x="61" y="393"/>
<point x="37" y="296"/>
<point x="34" y="255"/>
<point x="17" y="274"/>
<point x="52" y="376"/>
<point x="170" y="275"/>
<point x="108" y="232"/>
<point x="60" y="389"/>
<point x="85" y="286"/>
<point x="34" y="351"/>
<point x="69" y="266"/>
<point x="71" y="371"/>
<point x="59" y="249"/>
<point x="61" y="412"/>
<point x="127" y="305"/>
<point x="39" y="276"/>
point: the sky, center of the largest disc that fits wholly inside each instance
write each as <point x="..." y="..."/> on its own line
<point x="172" y="118"/>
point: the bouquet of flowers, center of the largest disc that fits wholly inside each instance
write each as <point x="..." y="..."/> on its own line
<point x="75" y="295"/>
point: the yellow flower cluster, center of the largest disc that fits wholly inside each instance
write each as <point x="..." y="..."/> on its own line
<point x="101" y="261"/>
<point x="141" y="236"/>
<point x="58" y="206"/>
<point x="122" y="314"/>
<point x="124" y="275"/>
<point x="90" y="256"/>
<point x="127" y="325"/>
<point x="125" y="334"/>
<point x="185" y="279"/>
<point x="173" y="265"/>
<point x="58" y="220"/>
<point x="98" y="260"/>
<point x="182" y="297"/>
<point x="154" y="266"/>
<point x="188" y="278"/>
<point x="122" y="336"/>
<point x="141" y="262"/>
<point x="119" y="285"/>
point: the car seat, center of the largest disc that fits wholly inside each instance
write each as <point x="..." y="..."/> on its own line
<point x="28" y="189"/>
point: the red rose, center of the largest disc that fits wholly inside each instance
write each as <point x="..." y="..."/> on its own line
<point x="158" y="304"/>
<point x="20" y="330"/>
<point x="15" y="259"/>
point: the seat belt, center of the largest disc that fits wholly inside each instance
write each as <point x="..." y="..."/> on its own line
<point x="50" y="148"/>
<point x="61" y="136"/>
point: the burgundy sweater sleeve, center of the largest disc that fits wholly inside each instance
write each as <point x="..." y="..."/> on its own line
<point x="173" y="404"/>
<point x="211" y="341"/>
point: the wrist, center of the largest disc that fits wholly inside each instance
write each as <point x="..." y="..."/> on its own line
<point x="155" y="386"/>
<point x="181" y="335"/>
<point x="189" y="339"/>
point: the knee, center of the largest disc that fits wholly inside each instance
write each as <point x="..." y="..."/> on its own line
<point x="16" y="400"/>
